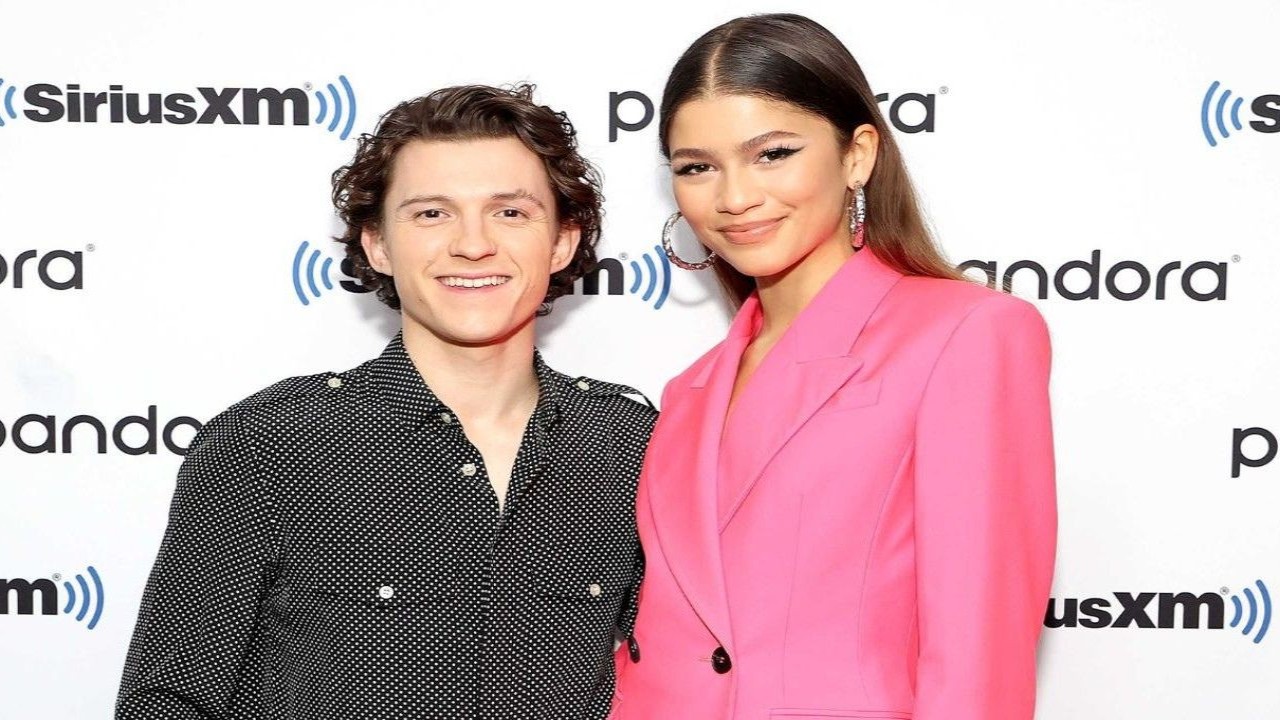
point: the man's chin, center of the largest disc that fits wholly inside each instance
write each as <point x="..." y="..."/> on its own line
<point x="477" y="333"/>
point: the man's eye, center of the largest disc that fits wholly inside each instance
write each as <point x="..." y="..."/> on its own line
<point x="693" y="169"/>
<point x="431" y="214"/>
<point x="511" y="213"/>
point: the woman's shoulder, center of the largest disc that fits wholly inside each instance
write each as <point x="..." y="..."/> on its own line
<point x="950" y="302"/>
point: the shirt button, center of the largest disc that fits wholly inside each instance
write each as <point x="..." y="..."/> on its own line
<point x="584" y="385"/>
<point x="469" y="469"/>
<point x="446" y="418"/>
<point x="594" y="589"/>
<point x="386" y="592"/>
<point x="335" y="382"/>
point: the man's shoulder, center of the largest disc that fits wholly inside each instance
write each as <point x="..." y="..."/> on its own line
<point x="297" y="399"/>
<point x="620" y="403"/>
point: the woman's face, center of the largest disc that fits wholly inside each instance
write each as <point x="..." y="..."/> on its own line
<point x="762" y="182"/>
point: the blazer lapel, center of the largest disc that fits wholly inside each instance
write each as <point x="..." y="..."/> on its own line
<point x="682" y="487"/>
<point x="813" y="359"/>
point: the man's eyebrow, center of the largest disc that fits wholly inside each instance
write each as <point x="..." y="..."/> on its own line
<point x="519" y="194"/>
<point x="743" y="147"/>
<point x="424" y="199"/>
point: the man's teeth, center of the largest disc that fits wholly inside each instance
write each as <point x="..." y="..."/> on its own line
<point x="474" y="282"/>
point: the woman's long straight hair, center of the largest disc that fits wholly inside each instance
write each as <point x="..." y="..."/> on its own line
<point x="793" y="59"/>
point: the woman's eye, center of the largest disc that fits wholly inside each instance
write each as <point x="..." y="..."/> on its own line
<point x="693" y="169"/>
<point x="776" y="154"/>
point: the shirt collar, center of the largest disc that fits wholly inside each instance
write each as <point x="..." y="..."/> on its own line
<point x="404" y="390"/>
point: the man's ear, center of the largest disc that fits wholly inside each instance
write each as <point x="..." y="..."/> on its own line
<point x="375" y="249"/>
<point x="565" y="247"/>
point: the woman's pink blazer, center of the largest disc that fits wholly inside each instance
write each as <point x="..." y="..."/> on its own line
<point x="888" y="546"/>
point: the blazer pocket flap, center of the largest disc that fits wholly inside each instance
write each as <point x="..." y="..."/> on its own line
<point x="820" y="714"/>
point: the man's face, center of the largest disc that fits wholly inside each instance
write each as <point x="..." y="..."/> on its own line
<point x="470" y="234"/>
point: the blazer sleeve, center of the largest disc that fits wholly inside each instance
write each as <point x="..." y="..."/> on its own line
<point x="200" y="607"/>
<point x="985" y="516"/>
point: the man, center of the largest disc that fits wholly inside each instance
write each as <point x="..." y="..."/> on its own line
<point x="446" y="531"/>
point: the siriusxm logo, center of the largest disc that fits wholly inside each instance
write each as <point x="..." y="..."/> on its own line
<point x="309" y="274"/>
<point x="650" y="277"/>
<point x="18" y="596"/>
<point x="911" y="112"/>
<point x="1241" y="457"/>
<point x="48" y="103"/>
<point x="312" y="275"/>
<point x="1216" y="110"/>
<point x="1126" y="280"/>
<point x="132" y="435"/>
<point x="1208" y="610"/>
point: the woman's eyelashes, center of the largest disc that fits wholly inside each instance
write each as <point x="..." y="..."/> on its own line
<point x="773" y="155"/>
<point x="765" y="157"/>
<point x="692" y="169"/>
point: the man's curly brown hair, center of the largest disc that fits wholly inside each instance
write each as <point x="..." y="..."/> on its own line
<point x="470" y="112"/>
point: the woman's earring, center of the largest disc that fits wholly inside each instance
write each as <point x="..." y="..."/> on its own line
<point x="667" y="231"/>
<point x="858" y="217"/>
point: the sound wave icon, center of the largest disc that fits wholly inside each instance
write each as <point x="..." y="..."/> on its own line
<point x="1258" y="616"/>
<point x="7" y="94"/>
<point x="310" y="274"/>
<point x="339" y="109"/>
<point x="1219" y="114"/>
<point x="89" y="597"/>
<point x="658" y="274"/>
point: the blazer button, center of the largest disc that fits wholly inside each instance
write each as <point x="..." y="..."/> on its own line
<point x="720" y="661"/>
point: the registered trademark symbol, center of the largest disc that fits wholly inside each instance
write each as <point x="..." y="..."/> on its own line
<point x="1235" y="258"/>
<point x="1226" y="591"/>
<point x="622" y="256"/>
<point x="90" y="247"/>
<point x="57" y="577"/>
<point x="944" y="90"/>
<point x="306" y="86"/>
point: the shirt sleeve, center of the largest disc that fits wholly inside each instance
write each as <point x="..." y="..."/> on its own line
<point x="631" y="606"/>
<point x="986" y="519"/>
<point x="200" y="607"/>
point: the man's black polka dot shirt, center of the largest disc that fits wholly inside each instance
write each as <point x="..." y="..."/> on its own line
<point x="335" y="550"/>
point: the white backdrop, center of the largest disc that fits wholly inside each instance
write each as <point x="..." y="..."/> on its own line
<point x="1057" y="129"/>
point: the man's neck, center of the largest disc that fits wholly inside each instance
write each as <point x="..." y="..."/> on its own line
<point x="479" y="382"/>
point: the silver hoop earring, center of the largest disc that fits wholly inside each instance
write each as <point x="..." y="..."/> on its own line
<point x="858" y="217"/>
<point x="671" y="253"/>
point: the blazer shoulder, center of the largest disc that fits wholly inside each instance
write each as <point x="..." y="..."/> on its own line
<point x="951" y="302"/>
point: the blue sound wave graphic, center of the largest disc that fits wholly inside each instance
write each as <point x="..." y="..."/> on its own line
<point x="1219" y="114"/>
<point x="310" y="274"/>
<point x="8" y="102"/>
<point x="339" y="110"/>
<point x="88" y="598"/>
<point x="658" y="274"/>
<point x="1258" y="615"/>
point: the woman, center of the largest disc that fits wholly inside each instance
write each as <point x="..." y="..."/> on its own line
<point x="847" y="508"/>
